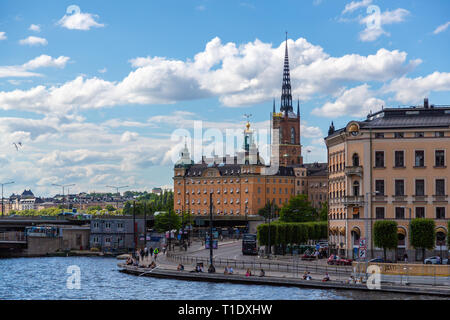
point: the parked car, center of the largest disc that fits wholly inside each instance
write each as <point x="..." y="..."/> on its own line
<point x="308" y="257"/>
<point x="335" y="260"/>
<point x="380" y="260"/>
<point x="434" y="260"/>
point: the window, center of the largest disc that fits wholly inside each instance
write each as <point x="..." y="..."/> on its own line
<point x="439" y="134"/>
<point x="379" y="135"/>
<point x="440" y="187"/>
<point x="292" y="135"/>
<point x="440" y="212"/>
<point x="399" y="159"/>
<point x="419" y="158"/>
<point x="399" y="213"/>
<point x="355" y="159"/>
<point x="399" y="187"/>
<point x="420" y="212"/>
<point x="379" y="212"/>
<point x="419" y="134"/>
<point x="439" y="156"/>
<point x="379" y="187"/>
<point x="398" y="135"/>
<point x="379" y="159"/>
<point x="356" y="188"/>
<point x="420" y="187"/>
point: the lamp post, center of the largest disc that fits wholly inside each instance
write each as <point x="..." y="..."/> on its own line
<point x="4" y="184"/>
<point x="211" y="266"/>
<point x="63" y="186"/>
<point x="117" y="190"/>
<point x="134" y="227"/>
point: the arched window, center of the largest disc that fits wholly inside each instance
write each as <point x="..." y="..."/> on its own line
<point x="356" y="188"/>
<point x="292" y="135"/>
<point x="355" y="160"/>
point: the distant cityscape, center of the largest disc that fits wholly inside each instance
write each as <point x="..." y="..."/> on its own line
<point x="27" y="200"/>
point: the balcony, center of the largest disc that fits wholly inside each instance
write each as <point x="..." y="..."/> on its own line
<point x="440" y="198"/>
<point x="354" y="171"/>
<point x="354" y="201"/>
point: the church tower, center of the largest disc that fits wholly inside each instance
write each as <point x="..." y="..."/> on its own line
<point x="287" y="122"/>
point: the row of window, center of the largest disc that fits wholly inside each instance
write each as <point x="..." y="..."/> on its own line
<point x="108" y="225"/>
<point x="399" y="135"/>
<point x="419" y="158"/>
<point x="205" y="201"/>
<point x="419" y="187"/>
<point x="419" y="213"/>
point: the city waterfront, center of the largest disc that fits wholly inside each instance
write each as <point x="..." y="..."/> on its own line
<point x="46" y="279"/>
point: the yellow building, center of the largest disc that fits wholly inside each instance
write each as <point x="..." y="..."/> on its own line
<point x="393" y="165"/>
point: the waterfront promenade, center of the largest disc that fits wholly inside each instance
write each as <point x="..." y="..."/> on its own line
<point x="279" y="272"/>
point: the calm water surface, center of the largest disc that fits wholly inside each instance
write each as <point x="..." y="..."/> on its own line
<point x="46" y="278"/>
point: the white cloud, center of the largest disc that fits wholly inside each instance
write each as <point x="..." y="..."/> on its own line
<point x="35" y="28"/>
<point x="238" y="75"/>
<point x="358" y="101"/>
<point x="128" y="136"/>
<point x="3" y="35"/>
<point x="352" y="6"/>
<point x="374" y="31"/>
<point x="104" y="70"/>
<point x="43" y="61"/>
<point x="80" y="21"/>
<point x="34" y="41"/>
<point x="409" y="90"/>
<point x="439" y="29"/>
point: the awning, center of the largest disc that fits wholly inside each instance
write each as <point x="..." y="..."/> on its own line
<point x="401" y="231"/>
<point x="441" y="229"/>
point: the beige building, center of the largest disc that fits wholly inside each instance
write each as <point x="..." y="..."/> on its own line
<point x="393" y="165"/>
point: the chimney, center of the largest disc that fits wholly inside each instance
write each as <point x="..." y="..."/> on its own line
<point x="425" y="103"/>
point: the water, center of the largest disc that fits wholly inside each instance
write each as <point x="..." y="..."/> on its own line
<point x="46" y="278"/>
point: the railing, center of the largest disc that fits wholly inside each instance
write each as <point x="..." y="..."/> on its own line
<point x="12" y="236"/>
<point x="296" y="267"/>
<point x="355" y="170"/>
<point x="353" y="200"/>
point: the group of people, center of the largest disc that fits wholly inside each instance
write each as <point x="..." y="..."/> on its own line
<point x="145" y="252"/>
<point x="307" y="276"/>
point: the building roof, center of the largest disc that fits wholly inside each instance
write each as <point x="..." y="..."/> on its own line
<point x="426" y="116"/>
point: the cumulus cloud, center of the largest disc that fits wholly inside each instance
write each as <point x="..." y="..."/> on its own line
<point x="411" y="90"/>
<point x="354" y="5"/>
<point x="439" y="29"/>
<point x="358" y="101"/>
<point x="3" y="35"/>
<point x="237" y="75"/>
<point x="35" y="28"/>
<point x="33" y="41"/>
<point x="43" y="61"/>
<point x="80" y="21"/>
<point x="375" y="21"/>
<point x="128" y="136"/>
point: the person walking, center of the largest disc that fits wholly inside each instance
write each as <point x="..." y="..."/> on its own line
<point x="155" y="252"/>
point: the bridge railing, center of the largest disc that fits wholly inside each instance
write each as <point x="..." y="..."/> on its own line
<point x="12" y="236"/>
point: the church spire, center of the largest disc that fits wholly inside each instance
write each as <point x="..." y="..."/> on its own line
<point x="298" y="108"/>
<point x="286" y="96"/>
<point x="274" y="105"/>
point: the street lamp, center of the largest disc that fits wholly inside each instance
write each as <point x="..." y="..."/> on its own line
<point x="63" y="186"/>
<point x="117" y="190"/>
<point x="4" y="184"/>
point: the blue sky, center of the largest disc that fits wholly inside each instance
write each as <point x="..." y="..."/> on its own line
<point x="94" y="95"/>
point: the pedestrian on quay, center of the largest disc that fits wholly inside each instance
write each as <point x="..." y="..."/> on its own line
<point x="146" y="251"/>
<point x="151" y="251"/>
<point x="155" y="253"/>
<point x="248" y="273"/>
<point x="230" y="270"/>
<point x="225" y="271"/>
<point x="405" y="258"/>
<point x="326" y="278"/>
<point x="262" y="273"/>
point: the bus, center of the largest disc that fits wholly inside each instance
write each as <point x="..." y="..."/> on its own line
<point x="249" y="244"/>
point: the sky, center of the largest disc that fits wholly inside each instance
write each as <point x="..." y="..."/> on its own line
<point x="102" y="93"/>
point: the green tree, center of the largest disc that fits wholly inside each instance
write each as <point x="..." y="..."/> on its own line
<point x="448" y="236"/>
<point x="110" y="208"/>
<point x="167" y="221"/>
<point x="265" y="211"/>
<point x="385" y="235"/>
<point x="422" y="234"/>
<point x="323" y="212"/>
<point x="298" y="209"/>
